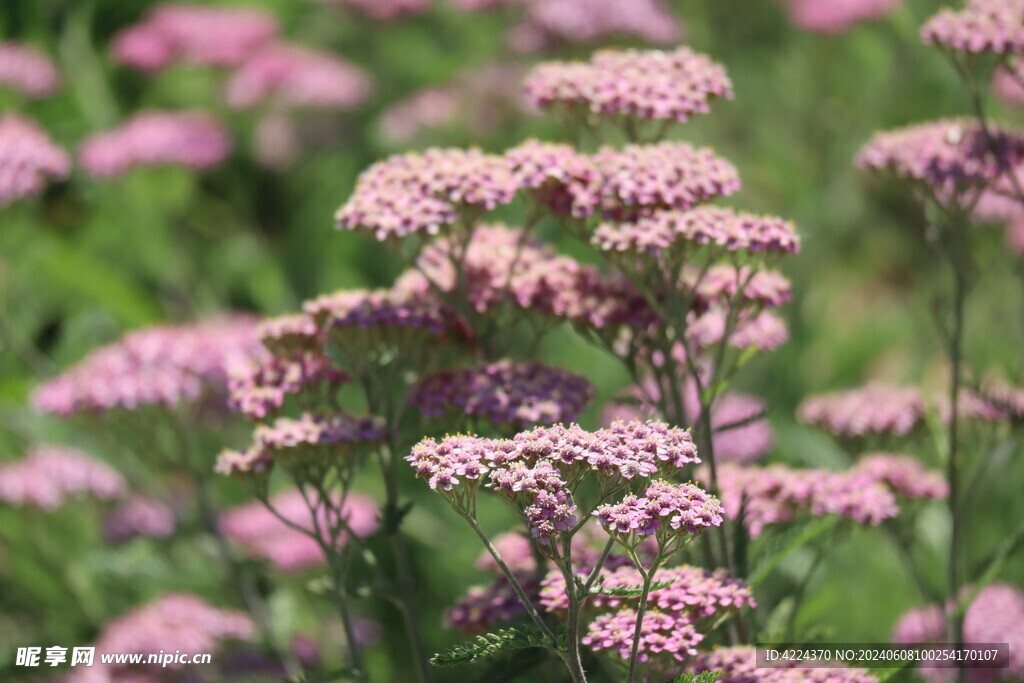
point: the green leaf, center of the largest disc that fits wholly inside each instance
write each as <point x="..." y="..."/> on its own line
<point x="808" y="533"/>
<point x="343" y="674"/>
<point x="490" y="644"/>
<point x="703" y="677"/>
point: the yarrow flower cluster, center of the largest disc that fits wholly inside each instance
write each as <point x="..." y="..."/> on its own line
<point x="836" y="16"/>
<point x="293" y="76"/>
<point x="558" y="177"/>
<point x="875" y="408"/>
<point x="50" y="476"/>
<point x="27" y="70"/>
<point x="505" y="393"/>
<point x="194" y="34"/>
<point x="950" y="156"/>
<point x="264" y="534"/>
<point x="138" y="516"/>
<point x="672" y="513"/>
<point x="262" y="387"/>
<point x="28" y="159"/>
<point x="423" y="193"/>
<point x="550" y="23"/>
<point x="193" y="140"/>
<point x="636" y="84"/>
<point x="162" y="366"/>
<point x="995" y="26"/>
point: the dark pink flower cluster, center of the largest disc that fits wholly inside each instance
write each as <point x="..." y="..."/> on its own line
<point x="560" y="178"/>
<point x="906" y="476"/>
<point x="673" y="513"/>
<point x="297" y="442"/>
<point x="738" y="664"/>
<point x="164" y="366"/>
<point x="138" y="516"/>
<point x="662" y="635"/>
<point x="27" y="70"/>
<point x="192" y="139"/>
<point x="951" y="155"/>
<point x="485" y="607"/>
<point x="194" y="34"/>
<point x="28" y="159"/>
<point x="836" y="16"/>
<point x="294" y="76"/>
<point x="740" y="433"/>
<point x="550" y="23"/>
<point x="674" y="231"/>
<point x="425" y="192"/>
<point x="874" y="408"/>
<point x="49" y="476"/>
<point x="777" y="494"/>
<point x="995" y="26"/>
<point x="360" y="311"/>
<point x="384" y="9"/>
<point x="265" y="535"/>
<point x="637" y="84"/>
<point x="262" y="388"/>
<point x="176" y="621"/>
<point x="996" y="615"/>
<point x="520" y="394"/>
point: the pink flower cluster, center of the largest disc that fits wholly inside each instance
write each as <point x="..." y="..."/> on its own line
<point x="360" y="312"/>
<point x="28" y="159"/>
<point x="422" y="193"/>
<point x="176" y="621"/>
<point x="995" y="26"/>
<point x="540" y="468"/>
<point x="163" y="366"/>
<point x="296" y="76"/>
<point x="50" y="476"/>
<point x="485" y="607"/>
<point x="557" y="176"/>
<point x="631" y="83"/>
<point x="384" y="9"/>
<point x="550" y="23"/>
<point x="191" y="139"/>
<point x="297" y="443"/>
<point x="265" y="535"/>
<point x="138" y="516"/>
<point x="27" y="70"/>
<point x="875" y="408"/>
<point x="951" y="155"/>
<point x="666" y="511"/>
<point x="738" y="664"/>
<point x="662" y="636"/>
<point x="194" y="34"/>
<point x="996" y="615"/>
<point x="520" y="394"/>
<point x="906" y="476"/>
<point x="262" y="388"/>
<point x="777" y="494"/>
<point x="836" y="16"/>
<point x="672" y="232"/>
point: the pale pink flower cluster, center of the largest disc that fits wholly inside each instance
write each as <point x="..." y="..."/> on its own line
<point x="636" y="84"/>
<point x="519" y="394"/>
<point x="27" y="70"/>
<point x="951" y="156"/>
<point x="176" y="621"/>
<point x="265" y="535"/>
<point x="164" y="365"/>
<point x="738" y="664"/>
<point x="663" y="636"/>
<point x="28" y="159"/>
<point x="837" y="16"/>
<point x="50" y="476"/>
<point x="194" y="34"/>
<point x="875" y="408"/>
<point x="557" y="177"/>
<point x="384" y="9"/>
<point x="672" y="513"/>
<point x="261" y="388"/>
<point x="288" y="75"/>
<point x="995" y="26"/>
<point x="906" y="476"/>
<point x="550" y="23"/>
<point x="138" y="516"/>
<point x="191" y="139"/>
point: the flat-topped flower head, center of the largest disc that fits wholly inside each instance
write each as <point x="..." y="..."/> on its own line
<point x="194" y="34"/>
<point x="836" y="16"/>
<point x="138" y="516"/>
<point x="422" y="193"/>
<point x="520" y="394"/>
<point x="993" y="26"/>
<point x="27" y="70"/>
<point x="635" y="84"/>
<point x="286" y="75"/>
<point x="265" y="535"/>
<point x="673" y="513"/>
<point x="50" y="476"/>
<point x="875" y="408"/>
<point x="671" y="638"/>
<point x="453" y="461"/>
<point x="289" y="333"/>
<point x="721" y="284"/>
<point x="553" y="23"/>
<point x="906" y="476"/>
<point x="165" y="365"/>
<point x="950" y="156"/>
<point x="560" y="178"/>
<point x="671" y="234"/>
<point x="484" y="608"/>
<point x="261" y="387"/>
<point x="763" y="331"/>
<point x="28" y="159"/>
<point x="640" y="179"/>
<point x="194" y="140"/>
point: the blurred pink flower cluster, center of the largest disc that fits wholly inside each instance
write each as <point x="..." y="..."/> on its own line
<point x="995" y="26"/>
<point x="28" y="159"/>
<point x="738" y="664"/>
<point x="836" y="16"/>
<point x="27" y="70"/>
<point x="192" y="139"/>
<point x="164" y="365"/>
<point x="49" y="476"/>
